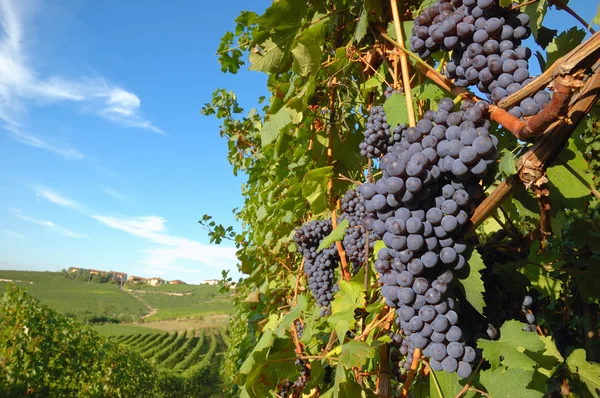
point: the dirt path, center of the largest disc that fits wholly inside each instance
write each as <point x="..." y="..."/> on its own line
<point x="151" y="310"/>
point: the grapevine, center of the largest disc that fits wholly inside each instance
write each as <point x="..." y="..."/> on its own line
<point x="407" y="229"/>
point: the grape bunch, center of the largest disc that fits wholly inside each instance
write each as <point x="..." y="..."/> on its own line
<point x="319" y="267"/>
<point x="389" y="90"/>
<point x="486" y="40"/>
<point x="299" y="328"/>
<point x="379" y="135"/>
<point x="288" y="387"/>
<point x="429" y="188"/>
<point x="353" y="209"/>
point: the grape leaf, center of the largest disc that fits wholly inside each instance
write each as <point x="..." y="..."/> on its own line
<point x="350" y="296"/>
<point x="542" y="281"/>
<point x="566" y="183"/>
<point x="287" y="321"/>
<point x="315" y="186"/>
<point x="507" y="165"/>
<point x="267" y="58"/>
<point x="564" y="43"/>
<point x="512" y="347"/>
<point x="536" y="12"/>
<point x="449" y="384"/>
<point x="362" y="25"/>
<point x="336" y="235"/>
<point x="588" y="372"/>
<point x="274" y="125"/>
<point x="472" y="284"/>
<point x="395" y="109"/>
<point x="355" y="353"/>
<point x="508" y="383"/>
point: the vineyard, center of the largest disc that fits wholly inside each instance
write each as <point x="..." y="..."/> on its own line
<point x="45" y="353"/>
<point x="189" y="358"/>
<point x="421" y="214"/>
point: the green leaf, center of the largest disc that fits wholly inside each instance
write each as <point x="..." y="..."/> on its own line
<point x="566" y="183"/>
<point x="290" y="317"/>
<point x="588" y="372"/>
<point x="314" y="187"/>
<point x="472" y="284"/>
<point x="542" y="281"/>
<point x="256" y="360"/>
<point x="362" y="25"/>
<point x="536" y="12"/>
<point x="507" y="165"/>
<point x="272" y="128"/>
<point x="511" y="349"/>
<point x="356" y="353"/>
<point x="395" y="109"/>
<point x="267" y="58"/>
<point x="307" y="57"/>
<point x="449" y="383"/>
<point x="335" y="236"/>
<point x="564" y="43"/>
<point x="350" y="297"/>
<point x="508" y="383"/>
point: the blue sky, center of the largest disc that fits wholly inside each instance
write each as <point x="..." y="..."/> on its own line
<point x="105" y="160"/>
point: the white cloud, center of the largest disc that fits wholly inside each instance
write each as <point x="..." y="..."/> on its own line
<point x="57" y="199"/>
<point x="49" y="225"/>
<point x="64" y="150"/>
<point x="115" y="194"/>
<point x="171" y="248"/>
<point x="20" y="85"/>
<point x="13" y="234"/>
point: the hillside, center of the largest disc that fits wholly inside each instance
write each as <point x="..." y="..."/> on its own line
<point x="105" y="302"/>
<point x="87" y="302"/>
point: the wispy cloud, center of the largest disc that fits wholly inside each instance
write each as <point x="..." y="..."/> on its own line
<point x="115" y="194"/>
<point x="64" y="150"/>
<point x="170" y="248"/>
<point x="56" y="198"/>
<point x="49" y="225"/>
<point x="13" y="234"/>
<point x="21" y="85"/>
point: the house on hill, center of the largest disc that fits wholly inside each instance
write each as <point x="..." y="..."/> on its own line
<point x="155" y="281"/>
<point x="177" y="282"/>
<point x="210" y="282"/>
<point x="133" y="279"/>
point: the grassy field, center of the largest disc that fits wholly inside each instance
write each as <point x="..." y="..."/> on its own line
<point x="116" y="329"/>
<point x="195" y="301"/>
<point x="82" y="300"/>
<point x="97" y="301"/>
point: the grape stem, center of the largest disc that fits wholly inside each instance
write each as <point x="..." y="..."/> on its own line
<point x="403" y="65"/>
<point x="411" y="373"/>
<point x="340" y="248"/>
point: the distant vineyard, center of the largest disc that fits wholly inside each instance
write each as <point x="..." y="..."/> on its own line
<point x="44" y="353"/>
<point x="185" y="359"/>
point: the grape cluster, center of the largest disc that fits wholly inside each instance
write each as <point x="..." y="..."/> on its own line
<point x="288" y="387"/>
<point x="379" y="135"/>
<point x="319" y="267"/>
<point x="299" y="328"/>
<point x="429" y="188"/>
<point x="486" y="40"/>
<point x="389" y="90"/>
<point x="355" y="239"/>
